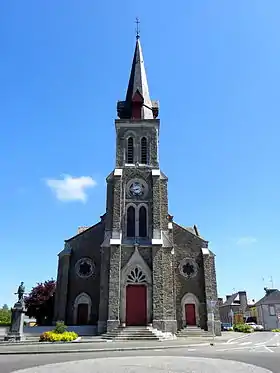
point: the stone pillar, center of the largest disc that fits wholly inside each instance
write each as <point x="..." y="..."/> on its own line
<point x="163" y="290"/>
<point x="156" y="223"/>
<point x="114" y="288"/>
<point x="61" y="294"/>
<point x="211" y="293"/>
<point x="117" y="206"/>
<point x="104" y="291"/>
<point x="16" y="329"/>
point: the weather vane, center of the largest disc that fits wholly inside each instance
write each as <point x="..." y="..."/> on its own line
<point x="137" y="28"/>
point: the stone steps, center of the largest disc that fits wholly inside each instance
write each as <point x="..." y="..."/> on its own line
<point x="136" y="333"/>
<point x="192" y="332"/>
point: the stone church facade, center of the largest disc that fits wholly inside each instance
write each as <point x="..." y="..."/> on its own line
<point x="137" y="266"/>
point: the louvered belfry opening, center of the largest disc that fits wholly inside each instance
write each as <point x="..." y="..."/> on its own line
<point x="130" y="150"/>
<point x="144" y="154"/>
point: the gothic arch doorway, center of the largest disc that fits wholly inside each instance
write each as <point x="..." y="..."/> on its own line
<point x="190" y="310"/>
<point x="82" y="309"/>
<point x="136" y="292"/>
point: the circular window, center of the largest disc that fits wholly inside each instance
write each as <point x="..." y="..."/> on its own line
<point x="85" y="267"/>
<point x="137" y="188"/>
<point x="188" y="268"/>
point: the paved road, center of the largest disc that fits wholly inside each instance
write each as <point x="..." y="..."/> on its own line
<point x="250" y="349"/>
<point x="224" y="361"/>
<point x="144" y="364"/>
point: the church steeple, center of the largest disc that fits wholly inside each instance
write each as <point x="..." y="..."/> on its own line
<point x="138" y="104"/>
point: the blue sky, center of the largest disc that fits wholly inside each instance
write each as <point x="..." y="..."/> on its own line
<point x="214" y="66"/>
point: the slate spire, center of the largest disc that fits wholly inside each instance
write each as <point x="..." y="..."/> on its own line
<point x="138" y="104"/>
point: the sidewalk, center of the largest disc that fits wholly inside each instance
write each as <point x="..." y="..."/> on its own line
<point x="100" y="345"/>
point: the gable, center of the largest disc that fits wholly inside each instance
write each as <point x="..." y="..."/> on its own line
<point x="183" y="237"/>
<point x="231" y="299"/>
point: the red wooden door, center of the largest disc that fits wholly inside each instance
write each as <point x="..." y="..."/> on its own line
<point x="136" y="305"/>
<point x="190" y="314"/>
<point x="82" y="314"/>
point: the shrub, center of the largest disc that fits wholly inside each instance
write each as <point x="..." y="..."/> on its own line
<point x="242" y="328"/>
<point x="60" y="327"/>
<point x="276" y="330"/>
<point x="51" y="336"/>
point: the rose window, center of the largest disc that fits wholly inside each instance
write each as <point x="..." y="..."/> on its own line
<point x="85" y="267"/>
<point x="188" y="268"/>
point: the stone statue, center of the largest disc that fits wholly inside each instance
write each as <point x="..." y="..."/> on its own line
<point x="20" y="292"/>
<point x="16" y="329"/>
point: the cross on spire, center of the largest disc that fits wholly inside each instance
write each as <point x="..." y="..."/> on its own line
<point x="137" y="28"/>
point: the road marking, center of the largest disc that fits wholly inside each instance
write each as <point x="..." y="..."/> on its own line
<point x="268" y="349"/>
<point x="237" y="338"/>
<point x="245" y="343"/>
<point x="191" y="349"/>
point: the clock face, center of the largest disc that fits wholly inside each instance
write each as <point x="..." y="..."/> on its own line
<point x="136" y="189"/>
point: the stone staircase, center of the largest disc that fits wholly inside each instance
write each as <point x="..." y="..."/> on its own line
<point x="136" y="333"/>
<point x="193" y="332"/>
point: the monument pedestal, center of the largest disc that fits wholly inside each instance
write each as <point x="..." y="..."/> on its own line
<point x="16" y="329"/>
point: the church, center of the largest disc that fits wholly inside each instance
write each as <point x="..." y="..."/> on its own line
<point x="137" y="266"/>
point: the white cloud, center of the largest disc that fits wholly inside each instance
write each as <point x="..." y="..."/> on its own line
<point x="246" y="240"/>
<point x="71" y="188"/>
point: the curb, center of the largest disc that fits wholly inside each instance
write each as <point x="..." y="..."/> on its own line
<point x="34" y="343"/>
<point x="67" y="351"/>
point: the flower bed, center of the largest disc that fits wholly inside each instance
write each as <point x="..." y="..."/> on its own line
<point x="52" y="336"/>
<point x="59" y="334"/>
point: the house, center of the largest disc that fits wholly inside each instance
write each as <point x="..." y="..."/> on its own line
<point x="268" y="309"/>
<point x="235" y="304"/>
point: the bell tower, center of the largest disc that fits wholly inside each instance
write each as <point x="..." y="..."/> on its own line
<point x="137" y="203"/>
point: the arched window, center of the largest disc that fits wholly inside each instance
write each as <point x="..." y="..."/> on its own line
<point x="144" y="154"/>
<point x="130" y="150"/>
<point x="142" y="222"/>
<point x="130" y="222"/>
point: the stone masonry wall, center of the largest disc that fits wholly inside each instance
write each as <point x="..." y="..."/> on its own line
<point x="104" y="289"/>
<point x="150" y="133"/>
<point x="114" y="287"/>
<point x="211" y="292"/>
<point x="87" y="244"/>
<point x="163" y="295"/>
<point x="187" y="245"/>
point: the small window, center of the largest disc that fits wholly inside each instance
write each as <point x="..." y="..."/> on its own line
<point x="130" y="222"/>
<point x="272" y="311"/>
<point x="142" y="222"/>
<point x="144" y="154"/>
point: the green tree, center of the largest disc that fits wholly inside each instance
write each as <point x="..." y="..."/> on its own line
<point x="5" y="315"/>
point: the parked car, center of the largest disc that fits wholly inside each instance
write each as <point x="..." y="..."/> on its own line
<point x="226" y="326"/>
<point x="255" y="326"/>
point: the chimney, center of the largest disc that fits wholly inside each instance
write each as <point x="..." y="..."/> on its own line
<point x="243" y="300"/>
<point x="269" y="291"/>
<point x="220" y="302"/>
<point x="228" y="296"/>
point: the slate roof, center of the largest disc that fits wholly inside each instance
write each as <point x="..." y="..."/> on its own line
<point x="138" y="82"/>
<point x="272" y="298"/>
<point x="230" y="300"/>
